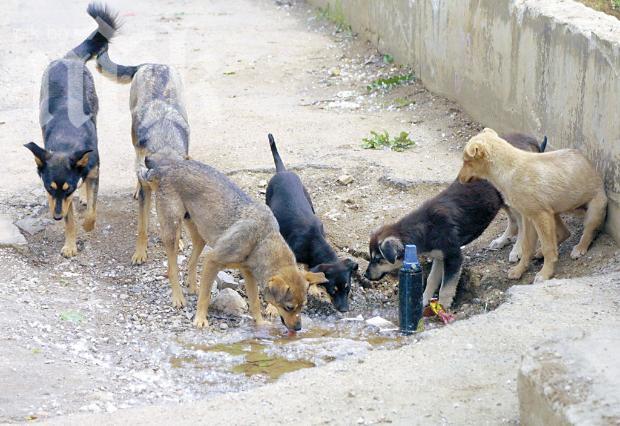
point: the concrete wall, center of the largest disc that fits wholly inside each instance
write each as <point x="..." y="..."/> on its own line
<point x="543" y="67"/>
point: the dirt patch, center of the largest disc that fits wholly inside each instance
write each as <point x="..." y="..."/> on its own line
<point x="610" y="7"/>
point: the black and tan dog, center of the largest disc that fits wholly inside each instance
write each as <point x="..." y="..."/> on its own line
<point x="68" y="119"/>
<point x="159" y="128"/>
<point x="303" y="231"/>
<point x="440" y="227"/>
<point x="243" y="234"/>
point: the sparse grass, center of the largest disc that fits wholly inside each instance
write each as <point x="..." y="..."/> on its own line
<point x="389" y="82"/>
<point x="611" y="7"/>
<point x="383" y="141"/>
<point x="388" y="59"/>
<point x="335" y="14"/>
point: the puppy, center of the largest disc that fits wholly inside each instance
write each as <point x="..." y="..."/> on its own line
<point x="242" y="233"/>
<point x="540" y="187"/>
<point x="159" y="127"/>
<point x="68" y="119"/>
<point x="525" y="143"/>
<point x="303" y="231"/>
<point x="439" y="228"/>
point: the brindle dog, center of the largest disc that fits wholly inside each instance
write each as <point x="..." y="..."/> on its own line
<point x="159" y="127"/>
<point x="243" y="234"/>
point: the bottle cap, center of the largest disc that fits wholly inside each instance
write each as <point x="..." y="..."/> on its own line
<point x="411" y="255"/>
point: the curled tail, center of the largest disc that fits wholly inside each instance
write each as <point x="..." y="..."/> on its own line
<point x="543" y="145"/>
<point x="107" y="25"/>
<point x="276" y="157"/>
<point x="118" y="73"/>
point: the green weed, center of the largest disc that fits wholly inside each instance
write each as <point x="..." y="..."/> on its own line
<point x="389" y="82"/>
<point x="383" y="141"/>
<point x="388" y="59"/>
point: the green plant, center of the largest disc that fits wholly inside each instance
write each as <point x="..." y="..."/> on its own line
<point x="376" y="140"/>
<point x="382" y="141"/>
<point x="389" y="82"/>
<point x="402" y="142"/>
<point x="615" y="4"/>
<point x="388" y="59"/>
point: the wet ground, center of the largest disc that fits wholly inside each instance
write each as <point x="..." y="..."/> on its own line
<point x="96" y="334"/>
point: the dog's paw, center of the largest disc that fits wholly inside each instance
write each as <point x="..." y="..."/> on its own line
<point x="178" y="301"/>
<point x="514" y="256"/>
<point x="515" y="273"/>
<point x="539" y="278"/>
<point x="88" y="224"/>
<point x="446" y="302"/>
<point x="262" y="322"/>
<point x="201" y="321"/>
<point x="69" y="250"/>
<point x="498" y="243"/>
<point x="577" y="252"/>
<point x="271" y="312"/>
<point x="139" y="257"/>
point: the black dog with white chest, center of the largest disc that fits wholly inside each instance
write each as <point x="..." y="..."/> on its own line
<point x="303" y="231"/>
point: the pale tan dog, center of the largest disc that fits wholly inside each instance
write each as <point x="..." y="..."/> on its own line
<point x="539" y="187"/>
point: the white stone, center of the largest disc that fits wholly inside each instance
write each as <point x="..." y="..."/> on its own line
<point x="228" y="301"/>
<point x="381" y="323"/>
<point x="226" y="280"/>
<point x="9" y="234"/>
<point x="345" y="180"/>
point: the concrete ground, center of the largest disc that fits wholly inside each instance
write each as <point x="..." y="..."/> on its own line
<point x="252" y="67"/>
<point x="463" y="374"/>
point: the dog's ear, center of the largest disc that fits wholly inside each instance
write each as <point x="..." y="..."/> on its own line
<point x="40" y="155"/>
<point x="489" y="131"/>
<point x="315" y="278"/>
<point x="350" y="265"/>
<point x="323" y="267"/>
<point x="80" y="158"/>
<point x="476" y="150"/>
<point x="276" y="290"/>
<point x="392" y="249"/>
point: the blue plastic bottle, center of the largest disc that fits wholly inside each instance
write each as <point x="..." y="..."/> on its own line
<point x="410" y="291"/>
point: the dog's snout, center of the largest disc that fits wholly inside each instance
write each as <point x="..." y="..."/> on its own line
<point x="297" y="326"/>
<point x="57" y="216"/>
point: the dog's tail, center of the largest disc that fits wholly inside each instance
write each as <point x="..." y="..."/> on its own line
<point x="115" y="72"/>
<point x="543" y="145"/>
<point x="107" y="25"/>
<point x="276" y="156"/>
<point x="149" y="174"/>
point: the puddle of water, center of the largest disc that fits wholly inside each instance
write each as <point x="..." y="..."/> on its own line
<point x="268" y="354"/>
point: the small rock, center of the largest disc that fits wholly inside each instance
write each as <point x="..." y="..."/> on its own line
<point x="32" y="225"/>
<point x="262" y="183"/>
<point x="334" y="72"/>
<point x="345" y="180"/>
<point x="228" y="301"/>
<point x="226" y="280"/>
<point x="381" y="323"/>
<point x="9" y="234"/>
<point x="223" y="326"/>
